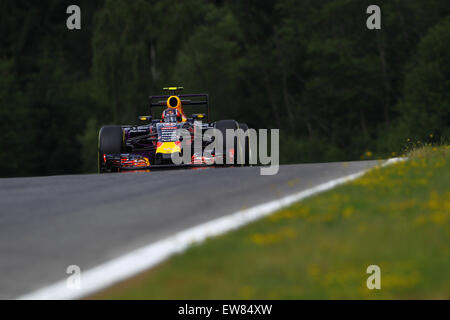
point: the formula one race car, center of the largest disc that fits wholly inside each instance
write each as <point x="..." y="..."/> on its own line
<point x="152" y="145"/>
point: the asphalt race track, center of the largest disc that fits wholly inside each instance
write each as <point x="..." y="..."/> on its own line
<point x="49" y="223"/>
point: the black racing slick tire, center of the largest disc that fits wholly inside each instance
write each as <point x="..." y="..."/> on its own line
<point x="110" y="141"/>
<point x="222" y="126"/>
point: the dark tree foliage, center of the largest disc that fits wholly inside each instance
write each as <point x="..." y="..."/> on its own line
<point x="311" y="68"/>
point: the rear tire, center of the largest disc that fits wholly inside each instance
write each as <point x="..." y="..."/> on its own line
<point x="110" y="141"/>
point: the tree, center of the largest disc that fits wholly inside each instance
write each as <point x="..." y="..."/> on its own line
<point x="425" y="107"/>
<point x="13" y="121"/>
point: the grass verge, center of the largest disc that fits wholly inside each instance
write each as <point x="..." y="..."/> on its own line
<point x="397" y="217"/>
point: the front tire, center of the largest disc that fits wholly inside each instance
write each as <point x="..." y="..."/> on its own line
<point x="222" y="126"/>
<point x="110" y="141"/>
<point x="246" y="144"/>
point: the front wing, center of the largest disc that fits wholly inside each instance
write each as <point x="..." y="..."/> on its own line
<point x="129" y="161"/>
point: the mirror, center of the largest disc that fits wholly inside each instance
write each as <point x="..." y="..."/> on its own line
<point x="145" y="118"/>
<point x="198" y="116"/>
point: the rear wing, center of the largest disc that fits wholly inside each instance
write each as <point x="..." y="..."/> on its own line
<point x="199" y="99"/>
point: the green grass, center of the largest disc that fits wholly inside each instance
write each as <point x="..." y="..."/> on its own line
<point x="396" y="217"/>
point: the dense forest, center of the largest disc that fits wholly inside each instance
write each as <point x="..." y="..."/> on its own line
<point x="336" y="90"/>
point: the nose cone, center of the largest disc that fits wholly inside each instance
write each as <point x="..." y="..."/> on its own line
<point x="168" y="147"/>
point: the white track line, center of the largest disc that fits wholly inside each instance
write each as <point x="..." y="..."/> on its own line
<point x="146" y="257"/>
